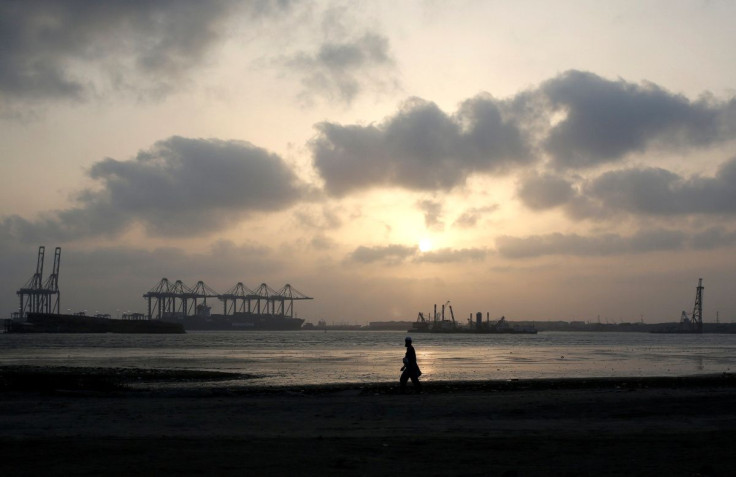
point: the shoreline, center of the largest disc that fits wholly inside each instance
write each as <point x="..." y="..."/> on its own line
<point x="34" y="378"/>
<point x="117" y="422"/>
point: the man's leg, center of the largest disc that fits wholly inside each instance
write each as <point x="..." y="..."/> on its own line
<point x="416" y="383"/>
<point x="403" y="379"/>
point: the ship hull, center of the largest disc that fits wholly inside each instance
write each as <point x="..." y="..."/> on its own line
<point x="239" y="322"/>
<point x="53" y="323"/>
<point x="480" y="332"/>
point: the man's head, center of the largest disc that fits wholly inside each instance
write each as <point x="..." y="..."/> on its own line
<point x="407" y="341"/>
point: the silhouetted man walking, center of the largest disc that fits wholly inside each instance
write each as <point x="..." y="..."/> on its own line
<point x="410" y="368"/>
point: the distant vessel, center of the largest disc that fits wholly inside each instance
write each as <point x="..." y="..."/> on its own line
<point x="439" y="324"/>
<point x="238" y="321"/>
<point x="500" y="326"/>
<point x="56" y="323"/>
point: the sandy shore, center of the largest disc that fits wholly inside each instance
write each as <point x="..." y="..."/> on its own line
<point x="71" y="421"/>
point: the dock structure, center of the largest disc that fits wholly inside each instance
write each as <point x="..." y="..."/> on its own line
<point x="178" y="300"/>
<point x="37" y="296"/>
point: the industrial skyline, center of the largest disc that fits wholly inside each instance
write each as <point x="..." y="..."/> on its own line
<point x="561" y="161"/>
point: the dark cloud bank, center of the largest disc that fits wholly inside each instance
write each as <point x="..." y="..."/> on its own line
<point x="74" y="49"/>
<point x="420" y="148"/>
<point x="197" y="186"/>
<point x="602" y="245"/>
<point x="567" y="128"/>
<point x="576" y="121"/>
<point x="179" y="187"/>
<point x="635" y="191"/>
<point x="606" y="120"/>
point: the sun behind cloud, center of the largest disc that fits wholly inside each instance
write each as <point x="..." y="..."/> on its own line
<point x="425" y="245"/>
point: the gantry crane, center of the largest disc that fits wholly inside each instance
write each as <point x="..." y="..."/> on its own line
<point x="166" y="300"/>
<point x="37" y="296"/>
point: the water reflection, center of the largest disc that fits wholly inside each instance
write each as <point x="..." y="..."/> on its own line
<point x="318" y="357"/>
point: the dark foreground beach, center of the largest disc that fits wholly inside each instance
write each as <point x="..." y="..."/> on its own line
<point x="81" y="421"/>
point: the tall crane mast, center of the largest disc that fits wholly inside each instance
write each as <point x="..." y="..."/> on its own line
<point x="31" y="294"/>
<point x="697" y="317"/>
<point x="694" y="322"/>
<point x="51" y="287"/>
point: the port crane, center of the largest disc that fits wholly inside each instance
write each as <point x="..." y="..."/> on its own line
<point x="168" y="299"/>
<point x="285" y="297"/>
<point x="200" y="291"/>
<point x="236" y="298"/>
<point x="37" y="296"/>
<point x="51" y="286"/>
<point x="694" y="322"/>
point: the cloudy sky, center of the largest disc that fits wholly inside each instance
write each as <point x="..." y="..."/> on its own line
<point x="568" y="160"/>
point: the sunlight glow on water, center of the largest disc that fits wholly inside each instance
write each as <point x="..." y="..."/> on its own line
<point x="352" y="356"/>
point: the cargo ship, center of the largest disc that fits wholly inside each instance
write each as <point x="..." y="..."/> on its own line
<point x="58" y="323"/>
<point x="238" y="321"/>
<point x="243" y="309"/>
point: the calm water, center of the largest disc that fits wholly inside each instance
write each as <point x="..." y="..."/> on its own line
<point x="351" y="356"/>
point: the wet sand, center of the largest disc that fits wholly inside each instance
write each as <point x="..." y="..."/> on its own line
<point x="71" y="421"/>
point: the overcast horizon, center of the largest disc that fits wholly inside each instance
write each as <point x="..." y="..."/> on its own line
<point x="571" y="161"/>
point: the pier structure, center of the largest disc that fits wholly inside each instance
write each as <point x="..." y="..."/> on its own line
<point x="178" y="300"/>
<point x="37" y="296"/>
